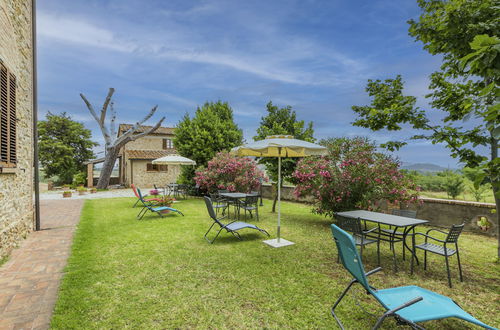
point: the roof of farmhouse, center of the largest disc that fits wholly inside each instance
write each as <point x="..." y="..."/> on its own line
<point x="160" y="131"/>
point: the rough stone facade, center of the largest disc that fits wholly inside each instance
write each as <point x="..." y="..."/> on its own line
<point x="440" y="212"/>
<point x="16" y="186"/>
<point x="146" y="179"/>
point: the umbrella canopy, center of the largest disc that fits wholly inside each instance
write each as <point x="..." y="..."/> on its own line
<point x="174" y="160"/>
<point x="279" y="146"/>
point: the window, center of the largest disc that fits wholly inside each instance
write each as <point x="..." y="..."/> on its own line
<point x="168" y="144"/>
<point x="150" y="167"/>
<point x="8" y="150"/>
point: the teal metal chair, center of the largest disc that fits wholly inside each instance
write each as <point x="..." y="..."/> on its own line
<point x="407" y="304"/>
<point x="149" y="206"/>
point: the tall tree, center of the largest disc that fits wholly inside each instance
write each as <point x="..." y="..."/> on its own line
<point x="282" y="121"/>
<point x="466" y="89"/>
<point x="64" y="145"/>
<point x="211" y="130"/>
<point x="113" y="142"/>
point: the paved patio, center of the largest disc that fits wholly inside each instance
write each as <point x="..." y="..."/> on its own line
<point x="29" y="280"/>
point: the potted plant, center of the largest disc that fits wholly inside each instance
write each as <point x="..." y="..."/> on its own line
<point x="67" y="193"/>
<point x="93" y="190"/>
<point x="165" y="201"/>
<point x="483" y="223"/>
<point x="81" y="190"/>
<point x="154" y="192"/>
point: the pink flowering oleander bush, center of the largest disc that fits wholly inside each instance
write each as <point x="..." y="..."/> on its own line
<point x="233" y="173"/>
<point x="352" y="176"/>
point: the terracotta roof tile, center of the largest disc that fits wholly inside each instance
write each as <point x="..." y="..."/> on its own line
<point x="160" y="131"/>
<point x="147" y="154"/>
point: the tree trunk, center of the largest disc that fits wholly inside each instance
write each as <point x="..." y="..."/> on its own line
<point x="495" y="184"/>
<point x="107" y="168"/>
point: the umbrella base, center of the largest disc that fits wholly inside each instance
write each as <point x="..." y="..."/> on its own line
<point x="274" y="242"/>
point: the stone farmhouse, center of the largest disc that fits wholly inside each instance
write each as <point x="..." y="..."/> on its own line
<point x="17" y="211"/>
<point x="135" y="160"/>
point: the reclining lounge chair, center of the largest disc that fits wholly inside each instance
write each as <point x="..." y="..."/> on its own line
<point x="149" y="206"/>
<point x="407" y="304"/>
<point x="231" y="227"/>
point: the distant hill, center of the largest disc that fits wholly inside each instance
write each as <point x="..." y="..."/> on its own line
<point x="423" y="167"/>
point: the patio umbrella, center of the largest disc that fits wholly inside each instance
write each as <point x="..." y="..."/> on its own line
<point x="279" y="146"/>
<point x="174" y="160"/>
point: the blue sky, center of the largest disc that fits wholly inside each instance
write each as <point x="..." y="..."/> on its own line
<point x="313" y="55"/>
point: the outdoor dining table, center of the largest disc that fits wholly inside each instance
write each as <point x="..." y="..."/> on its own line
<point x="235" y="198"/>
<point x="407" y="224"/>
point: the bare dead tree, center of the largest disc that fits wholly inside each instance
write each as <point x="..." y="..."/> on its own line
<point x="114" y="142"/>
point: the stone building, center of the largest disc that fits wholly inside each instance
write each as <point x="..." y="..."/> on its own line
<point x="16" y="116"/>
<point x="136" y="157"/>
<point x="135" y="160"/>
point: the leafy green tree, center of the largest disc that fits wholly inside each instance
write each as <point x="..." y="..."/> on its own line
<point x="476" y="184"/>
<point x="282" y="121"/>
<point x="211" y="130"/>
<point x="453" y="184"/>
<point x="64" y="145"/>
<point x="466" y="88"/>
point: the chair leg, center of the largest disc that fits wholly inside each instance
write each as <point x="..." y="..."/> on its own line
<point x="448" y="271"/>
<point x="378" y="253"/>
<point x="137" y="201"/>
<point x="459" y="266"/>
<point x="425" y="259"/>
<point x="394" y="259"/>
<point x="257" y="213"/>
<point x="338" y="301"/>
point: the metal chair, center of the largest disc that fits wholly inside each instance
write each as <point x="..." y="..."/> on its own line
<point x="251" y="203"/>
<point x="398" y="235"/>
<point x="232" y="227"/>
<point x="441" y="249"/>
<point x="407" y="304"/>
<point x="353" y="225"/>
<point x="149" y="206"/>
<point x="218" y="203"/>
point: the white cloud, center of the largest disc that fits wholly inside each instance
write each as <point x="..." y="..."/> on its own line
<point x="272" y="64"/>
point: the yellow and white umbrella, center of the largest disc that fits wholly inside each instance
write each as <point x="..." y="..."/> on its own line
<point x="279" y="146"/>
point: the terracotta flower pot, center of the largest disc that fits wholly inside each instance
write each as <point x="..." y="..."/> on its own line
<point x="67" y="194"/>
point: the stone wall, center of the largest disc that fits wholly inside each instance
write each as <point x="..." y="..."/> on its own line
<point x="144" y="179"/>
<point x="440" y="212"/>
<point x="149" y="142"/>
<point x="16" y="187"/>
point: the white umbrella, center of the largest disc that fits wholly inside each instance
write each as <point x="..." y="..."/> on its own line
<point x="174" y="160"/>
<point x="279" y="146"/>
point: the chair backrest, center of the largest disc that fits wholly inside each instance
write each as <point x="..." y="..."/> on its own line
<point x="349" y="256"/>
<point x="134" y="189"/>
<point x="251" y="200"/>
<point x="405" y="213"/>
<point x="214" y="197"/>
<point x="454" y="233"/>
<point x="352" y="225"/>
<point x="210" y="209"/>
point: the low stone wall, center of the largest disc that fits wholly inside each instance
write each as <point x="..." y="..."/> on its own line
<point x="440" y="212"/>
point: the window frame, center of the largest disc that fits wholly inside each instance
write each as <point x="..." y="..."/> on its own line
<point x="156" y="168"/>
<point x="168" y="143"/>
<point x="8" y="114"/>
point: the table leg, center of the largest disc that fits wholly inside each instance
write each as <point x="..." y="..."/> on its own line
<point x="405" y="234"/>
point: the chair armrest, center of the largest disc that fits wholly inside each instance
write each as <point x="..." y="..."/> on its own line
<point x="369" y="231"/>
<point x="373" y="271"/>
<point x="406" y="304"/>
<point x="438" y="230"/>
<point x="427" y="236"/>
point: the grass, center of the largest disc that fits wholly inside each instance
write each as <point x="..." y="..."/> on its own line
<point x="466" y="196"/>
<point x="159" y="273"/>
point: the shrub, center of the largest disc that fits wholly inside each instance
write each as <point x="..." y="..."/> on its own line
<point x="79" y="179"/>
<point x="233" y="173"/>
<point x="352" y="175"/>
<point x="453" y="184"/>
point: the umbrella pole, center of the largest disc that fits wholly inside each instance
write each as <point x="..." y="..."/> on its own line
<point x="279" y="195"/>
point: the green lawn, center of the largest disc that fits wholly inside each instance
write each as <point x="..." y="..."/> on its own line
<point x="161" y="274"/>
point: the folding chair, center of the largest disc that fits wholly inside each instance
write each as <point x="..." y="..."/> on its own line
<point x="148" y="206"/>
<point x="134" y="189"/>
<point x="231" y="227"/>
<point x="407" y="304"/>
